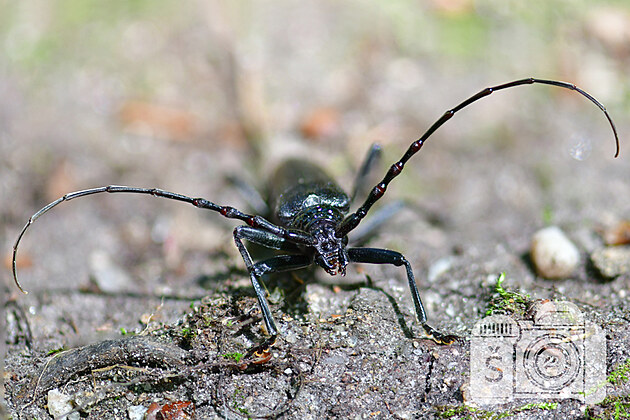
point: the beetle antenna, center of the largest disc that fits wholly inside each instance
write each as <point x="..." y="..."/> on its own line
<point x="225" y="211"/>
<point x="352" y="221"/>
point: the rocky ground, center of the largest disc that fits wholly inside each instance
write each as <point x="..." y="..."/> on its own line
<point x="139" y="306"/>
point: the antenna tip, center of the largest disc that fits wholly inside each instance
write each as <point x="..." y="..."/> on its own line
<point x="19" y="286"/>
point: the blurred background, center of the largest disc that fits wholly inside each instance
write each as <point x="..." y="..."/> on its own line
<point x="179" y="95"/>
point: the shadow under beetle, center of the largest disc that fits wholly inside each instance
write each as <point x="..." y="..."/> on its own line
<point x="311" y="221"/>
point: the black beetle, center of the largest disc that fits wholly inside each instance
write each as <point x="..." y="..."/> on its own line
<point x="311" y="221"/>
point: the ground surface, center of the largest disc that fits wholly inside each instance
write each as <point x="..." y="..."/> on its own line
<point x="154" y="295"/>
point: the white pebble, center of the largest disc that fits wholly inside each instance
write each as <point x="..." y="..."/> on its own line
<point x="60" y="404"/>
<point x="553" y="254"/>
<point x="136" y="412"/>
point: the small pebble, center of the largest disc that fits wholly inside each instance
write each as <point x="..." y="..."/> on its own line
<point x="60" y="404"/>
<point x="553" y="254"/>
<point x="612" y="261"/>
<point x="137" y="412"/>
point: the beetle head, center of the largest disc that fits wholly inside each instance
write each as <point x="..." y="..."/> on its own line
<point x="331" y="252"/>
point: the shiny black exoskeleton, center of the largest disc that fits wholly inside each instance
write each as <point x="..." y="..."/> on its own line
<point x="311" y="222"/>
<point x="307" y="199"/>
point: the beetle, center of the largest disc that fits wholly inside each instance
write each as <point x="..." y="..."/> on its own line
<point x="311" y="222"/>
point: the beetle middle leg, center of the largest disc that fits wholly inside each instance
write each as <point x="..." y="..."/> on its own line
<point x="386" y="256"/>
<point x="371" y="159"/>
<point x="380" y="216"/>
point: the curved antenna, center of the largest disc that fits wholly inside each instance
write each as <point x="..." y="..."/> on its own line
<point x="352" y="221"/>
<point x="226" y="211"/>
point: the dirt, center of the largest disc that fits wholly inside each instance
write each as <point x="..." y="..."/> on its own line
<point x="136" y="300"/>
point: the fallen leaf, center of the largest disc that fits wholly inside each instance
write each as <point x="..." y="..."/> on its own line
<point x="176" y="410"/>
<point x="320" y="123"/>
<point x="159" y="121"/>
<point x="619" y="234"/>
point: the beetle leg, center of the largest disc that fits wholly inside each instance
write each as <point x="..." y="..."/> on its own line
<point x="261" y="352"/>
<point x="241" y="233"/>
<point x="249" y="194"/>
<point x="265" y="238"/>
<point x="385" y="256"/>
<point x="279" y="263"/>
<point x="372" y="158"/>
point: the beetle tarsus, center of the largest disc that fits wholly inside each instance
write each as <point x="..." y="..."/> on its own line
<point x="260" y="353"/>
<point x="440" y="338"/>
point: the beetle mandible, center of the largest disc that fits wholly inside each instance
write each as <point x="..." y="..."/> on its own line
<point x="311" y="217"/>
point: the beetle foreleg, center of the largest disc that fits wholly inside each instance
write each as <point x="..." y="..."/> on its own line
<point x="281" y="263"/>
<point x="265" y="238"/>
<point x="272" y="265"/>
<point x="239" y="234"/>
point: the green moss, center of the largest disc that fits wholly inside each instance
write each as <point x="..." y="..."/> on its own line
<point x="621" y="374"/>
<point x="611" y="408"/>
<point x="55" y="351"/>
<point x="236" y="356"/>
<point x="238" y="396"/>
<point x="506" y="302"/>
<point x="465" y="412"/>
<point x="542" y="406"/>
<point x="188" y="333"/>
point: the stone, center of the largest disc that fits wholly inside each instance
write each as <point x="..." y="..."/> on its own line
<point x="553" y="254"/>
<point x="612" y="261"/>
